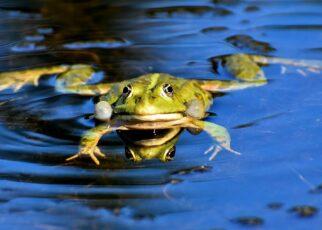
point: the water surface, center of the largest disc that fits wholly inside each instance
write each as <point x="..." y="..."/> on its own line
<point x="277" y="128"/>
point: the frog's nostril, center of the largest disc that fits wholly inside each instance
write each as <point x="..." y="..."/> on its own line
<point x="137" y="99"/>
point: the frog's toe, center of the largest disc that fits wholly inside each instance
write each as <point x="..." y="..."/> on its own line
<point x="94" y="158"/>
<point x="73" y="157"/>
<point x="215" y="152"/>
<point x="215" y="149"/>
<point x="98" y="152"/>
<point x="92" y="153"/>
<point x="80" y="154"/>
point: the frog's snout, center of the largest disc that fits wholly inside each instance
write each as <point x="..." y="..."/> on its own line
<point x="103" y="111"/>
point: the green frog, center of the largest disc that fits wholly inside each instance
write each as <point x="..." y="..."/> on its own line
<point x="154" y="102"/>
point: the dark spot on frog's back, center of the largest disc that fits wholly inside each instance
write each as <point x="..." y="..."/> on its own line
<point x="195" y="84"/>
<point x="198" y="95"/>
<point x="248" y="221"/>
<point x="304" y="211"/>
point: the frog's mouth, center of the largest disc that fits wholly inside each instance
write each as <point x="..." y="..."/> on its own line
<point x="149" y="117"/>
<point x="104" y="112"/>
<point x="148" y="137"/>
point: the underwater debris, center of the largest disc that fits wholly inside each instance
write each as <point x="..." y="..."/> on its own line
<point x="304" y="211"/>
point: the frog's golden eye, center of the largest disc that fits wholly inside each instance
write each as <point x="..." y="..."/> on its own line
<point x="170" y="154"/>
<point x="168" y="90"/>
<point x="127" y="90"/>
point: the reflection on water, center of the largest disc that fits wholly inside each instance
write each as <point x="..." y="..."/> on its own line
<point x="275" y="182"/>
<point x="150" y="144"/>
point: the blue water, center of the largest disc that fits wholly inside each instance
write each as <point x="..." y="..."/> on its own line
<point x="277" y="127"/>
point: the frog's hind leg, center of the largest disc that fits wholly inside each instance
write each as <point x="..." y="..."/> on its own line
<point x="75" y="81"/>
<point x="246" y="71"/>
<point x="88" y="144"/>
<point x="314" y="66"/>
<point x="17" y="79"/>
<point x="71" y="79"/>
<point x="219" y="134"/>
<point x="216" y="86"/>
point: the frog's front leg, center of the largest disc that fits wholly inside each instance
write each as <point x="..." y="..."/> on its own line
<point x="89" y="141"/>
<point x="218" y="133"/>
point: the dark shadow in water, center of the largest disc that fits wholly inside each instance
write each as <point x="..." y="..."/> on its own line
<point x="257" y="121"/>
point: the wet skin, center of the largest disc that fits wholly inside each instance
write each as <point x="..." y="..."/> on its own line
<point x="151" y="102"/>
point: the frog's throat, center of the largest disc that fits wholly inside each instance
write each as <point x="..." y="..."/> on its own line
<point x="150" y="117"/>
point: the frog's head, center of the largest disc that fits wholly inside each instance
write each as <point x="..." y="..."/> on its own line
<point x="150" y="144"/>
<point x="151" y="97"/>
<point x="154" y="97"/>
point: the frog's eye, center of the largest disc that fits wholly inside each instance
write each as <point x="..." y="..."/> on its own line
<point x="127" y="90"/>
<point x="128" y="153"/>
<point x="168" y="89"/>
<point x="170" y="154"/>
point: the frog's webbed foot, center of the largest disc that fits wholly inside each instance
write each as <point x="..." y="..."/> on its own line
<point x="17" y="79"/>
<point x="89" y="141"/>
<point x="247" y="66"/>
<point x="88" y="151"/>
<point x="219" y="134"/>
<point x="213" y="150"/>
<point x="302" y="65"/>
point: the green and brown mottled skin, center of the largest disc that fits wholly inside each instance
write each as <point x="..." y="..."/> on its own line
<point x="155" y="101"/>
